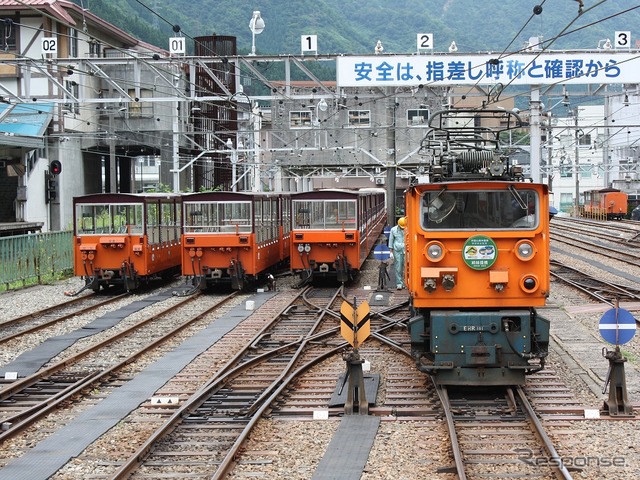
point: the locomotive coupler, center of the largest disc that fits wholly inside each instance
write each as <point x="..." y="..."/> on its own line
<point x="618" y="403"/>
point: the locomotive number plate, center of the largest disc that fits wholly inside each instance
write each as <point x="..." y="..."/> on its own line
<point x="475" y="328"/>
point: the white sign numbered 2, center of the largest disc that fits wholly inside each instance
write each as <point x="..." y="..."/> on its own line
<point x="425" y="41"/>
<point x="49" y="45"/>
<point x="177" y="45"/>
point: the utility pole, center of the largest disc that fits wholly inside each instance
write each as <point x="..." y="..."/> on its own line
<point x="391" y="162"/>
<point x="113" y="180"/>
<point x="577" y="160"/>
<point x="535" y="134"/>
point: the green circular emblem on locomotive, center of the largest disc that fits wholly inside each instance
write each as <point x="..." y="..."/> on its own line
<point x="479" y="252"/>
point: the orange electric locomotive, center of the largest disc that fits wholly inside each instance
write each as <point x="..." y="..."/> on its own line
<point x="234" y="238"/>
<point x="477" y="256"/>
<point x="334" y="230"/>
<point x="605" y="204"/>
<point x="123" y="239"/>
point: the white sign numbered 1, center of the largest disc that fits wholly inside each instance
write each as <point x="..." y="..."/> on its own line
<point x="49" y="45"/>
<point x="309" y="43"/>
<point x="177" y="45"/>
<point x="622" y="40"/>
<point x="425" y="41"/>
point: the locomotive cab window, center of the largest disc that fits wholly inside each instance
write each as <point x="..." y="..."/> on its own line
<point x="511" y="209"/>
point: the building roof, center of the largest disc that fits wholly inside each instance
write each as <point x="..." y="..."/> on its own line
<point x="24" y="124"/>
<point x="68" y="12"/>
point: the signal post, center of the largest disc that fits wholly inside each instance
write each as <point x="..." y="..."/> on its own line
<point x="355" y="328"/>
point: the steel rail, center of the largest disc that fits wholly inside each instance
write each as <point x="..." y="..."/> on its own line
<point x="559" y="468"/>
<point x="191" y="404"/>
<point x="614" y="291"/>
<point x="267" y="396"/>
<point x="53" y="308"/>
<point x="23" y="419"/>
<point x="453" y="435"/>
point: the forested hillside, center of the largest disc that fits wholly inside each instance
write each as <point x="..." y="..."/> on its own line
<point x="354" y="27"/>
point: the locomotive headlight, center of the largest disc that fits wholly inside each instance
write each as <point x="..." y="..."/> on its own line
<point x="525" y="250"/>
<point x="529" y="283"/>
<point x="307" y="248"/>
<point x="301" y="248"/>
<point x="434" y="251"/>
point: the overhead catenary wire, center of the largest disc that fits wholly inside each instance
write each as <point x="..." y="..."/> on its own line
<point x="312" y="131"/>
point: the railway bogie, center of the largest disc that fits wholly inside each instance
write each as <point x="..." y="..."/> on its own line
<point x="334" y="231"/>
<point x="124" y="240"/>
<point x="234" y="238"/>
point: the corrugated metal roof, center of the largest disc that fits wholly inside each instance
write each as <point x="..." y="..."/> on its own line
<point x="24" y="124"/>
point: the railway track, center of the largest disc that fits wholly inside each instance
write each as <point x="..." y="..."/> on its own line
<point x="210" y="428"/>
<point x="47" y="317"/>
<point x="287" y="370"/>
<point x="619" y="231"/>
<point x="498" y="434"/>
<point x="619" y="250"/>
<point x="24" y="401"/>
<point x="598" y="289"/>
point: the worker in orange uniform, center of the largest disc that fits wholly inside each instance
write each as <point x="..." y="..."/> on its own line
<point x="396" y="247"/>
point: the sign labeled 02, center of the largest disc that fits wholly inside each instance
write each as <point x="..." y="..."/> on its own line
<point x="49" y="45"/>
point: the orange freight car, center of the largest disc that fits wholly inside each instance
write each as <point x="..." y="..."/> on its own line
<point x="334" y="230"/>
<point x="234" y="238"/>
<point x="606" y="204"/>
<point x="126" y="239"/>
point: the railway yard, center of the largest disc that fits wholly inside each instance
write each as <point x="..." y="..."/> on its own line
<point x="158" y="384"/>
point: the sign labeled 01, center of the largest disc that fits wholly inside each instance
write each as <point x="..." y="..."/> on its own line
<point x="177" y="45"/>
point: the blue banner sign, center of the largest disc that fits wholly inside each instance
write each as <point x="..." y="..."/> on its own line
<point x="488" y="69"/>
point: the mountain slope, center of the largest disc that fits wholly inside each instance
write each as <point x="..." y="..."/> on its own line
<point x="353" y="27"/>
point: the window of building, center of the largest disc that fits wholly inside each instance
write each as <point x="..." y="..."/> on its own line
<point x="584" y="139"/>
<point x="73" y="43"/>
<point x="359" y="118"/>
<point x="300" y="119"/>
<point x="71" y="105"/>
<point x="566" y="201"/>
<point x="94" y="48"/>
<point x="140" y="108"/>
<point x="9" y="29"/>
<point x="417" y="117"/>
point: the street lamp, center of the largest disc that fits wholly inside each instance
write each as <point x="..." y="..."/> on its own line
<point x="256" y="25"/>
<point x="323" y="105"/>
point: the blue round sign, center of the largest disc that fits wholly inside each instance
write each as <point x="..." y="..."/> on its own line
<point x="617" y="326"/>
<point x="381" y="252"/>
<point x="386" y="231"/>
